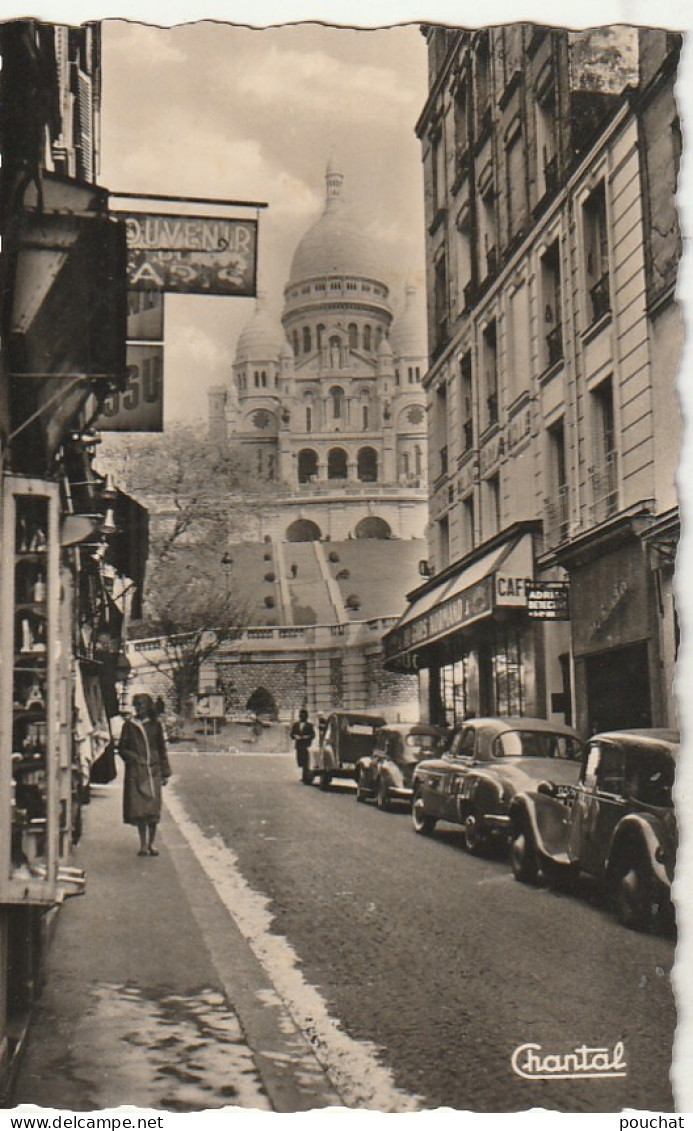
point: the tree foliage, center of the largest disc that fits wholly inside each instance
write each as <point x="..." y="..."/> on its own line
<point x="200" y="497"/>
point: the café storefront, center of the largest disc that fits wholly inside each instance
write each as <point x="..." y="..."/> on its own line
<point x="468" y="634"/>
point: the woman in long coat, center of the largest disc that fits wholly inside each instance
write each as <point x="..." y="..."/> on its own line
<point x="143" y="749"/>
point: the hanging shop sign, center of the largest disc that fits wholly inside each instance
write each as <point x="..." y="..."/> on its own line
<point x="139" y="405"/>
<point x="548" y="600"/>
<point x="191" y="254"/>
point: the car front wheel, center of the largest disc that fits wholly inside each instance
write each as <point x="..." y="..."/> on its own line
<point x="523" y="854"/>
<point x="475" y="839"/>
<point x="423" y="823"/>
<point x="361" y="792"/>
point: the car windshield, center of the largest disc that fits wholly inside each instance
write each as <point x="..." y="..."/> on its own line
<point x="423" y="741"/>
<point x="536" y="744"/>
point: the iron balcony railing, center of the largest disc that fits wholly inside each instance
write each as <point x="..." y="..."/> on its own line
<point x="492" y="408"/>
<point x="551" y="174"/>
<point x="556" y="521"/>
<point x="554" y="345"/>
<point x="604" y="481"/>
<point x="600" y="298"/>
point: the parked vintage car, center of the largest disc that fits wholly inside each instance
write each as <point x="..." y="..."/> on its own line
<point x="488" y="761"/>
<point x="387" y="773"/>
<point x="348" y="736"/>
<point x="617" y="824"/>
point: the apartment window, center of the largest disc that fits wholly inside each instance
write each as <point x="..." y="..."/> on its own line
<point x="605" y="470"/>
<point x="488" y="252"/>
<point x="461" y="110"/>
<point x="493" y="506"/>
<point x="464" y="259"/>
<point x="596" y="242"/>
<point x="443" y="556"/>
<point x="441" y="428"/>
<point x="518" y="354"/>
<point x="306" y="339"/>
<point x="469" y="540"/>
<point x="466" y="402"/>
<point x="438" y="173"/>
<point x="490" y="363"/>
<point x="556" y="517"/>
<point x="482" y="83"/>
<point x="552" y="350"/>
<point x="515" y="172"/>
<point x="547" y="159"/>
<point x="441" y="301"/>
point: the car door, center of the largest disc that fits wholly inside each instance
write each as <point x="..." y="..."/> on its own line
<point x="462" y="757"/>
<point x="599" y="805"/>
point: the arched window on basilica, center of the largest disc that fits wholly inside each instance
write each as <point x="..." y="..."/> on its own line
<point x="353" y="336"/>
<point x="336" y="463"/>
<point x="307" y="465"/>
<point x="337" y="398"/>
<point x="367" y="465"/>
<point x="296" y="343"/>
<point x="306" y="339"/>
<point x="320" y="333"/>
<point x="367" y="338"/>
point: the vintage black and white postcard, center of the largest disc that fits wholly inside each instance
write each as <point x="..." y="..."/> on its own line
<point x="343" y="622"/>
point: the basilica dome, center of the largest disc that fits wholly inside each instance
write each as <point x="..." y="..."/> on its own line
<point x="334" y="245"/>
<point x="262" y="338"/>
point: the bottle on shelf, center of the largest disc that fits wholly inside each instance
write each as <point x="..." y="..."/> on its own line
<point x="39" y="589"/>
<point x="27" y="636"/>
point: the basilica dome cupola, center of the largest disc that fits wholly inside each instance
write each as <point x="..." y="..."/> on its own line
<point x="260" y="346"/>
<point x="336" y="283"/>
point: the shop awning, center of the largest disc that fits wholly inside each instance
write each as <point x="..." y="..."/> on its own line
<point x="493" y="580"/>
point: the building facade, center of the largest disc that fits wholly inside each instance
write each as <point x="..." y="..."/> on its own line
<point x="553" y="419"/>
<point x="63" y="311"/>
<point x="330" y="401"/>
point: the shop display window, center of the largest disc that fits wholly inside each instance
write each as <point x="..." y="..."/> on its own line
<point x="30" y="833"/>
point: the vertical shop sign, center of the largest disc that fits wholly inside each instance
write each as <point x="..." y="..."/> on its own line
<point x="139" y="405"/>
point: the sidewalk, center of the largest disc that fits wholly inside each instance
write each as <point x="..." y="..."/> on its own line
<point x="152" y="997"/>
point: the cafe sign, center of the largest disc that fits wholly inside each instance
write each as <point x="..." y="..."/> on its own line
<point x="191" y="254"/>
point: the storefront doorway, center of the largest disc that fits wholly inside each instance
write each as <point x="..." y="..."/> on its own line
<point x="618" y="689"/>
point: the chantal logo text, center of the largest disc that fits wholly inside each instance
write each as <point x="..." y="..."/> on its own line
<point x="532" y="1063"/>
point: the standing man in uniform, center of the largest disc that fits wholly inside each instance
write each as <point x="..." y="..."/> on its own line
<point x="303" y="735"/>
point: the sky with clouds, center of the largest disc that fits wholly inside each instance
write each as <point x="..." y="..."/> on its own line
<point x="212" y="109"/>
